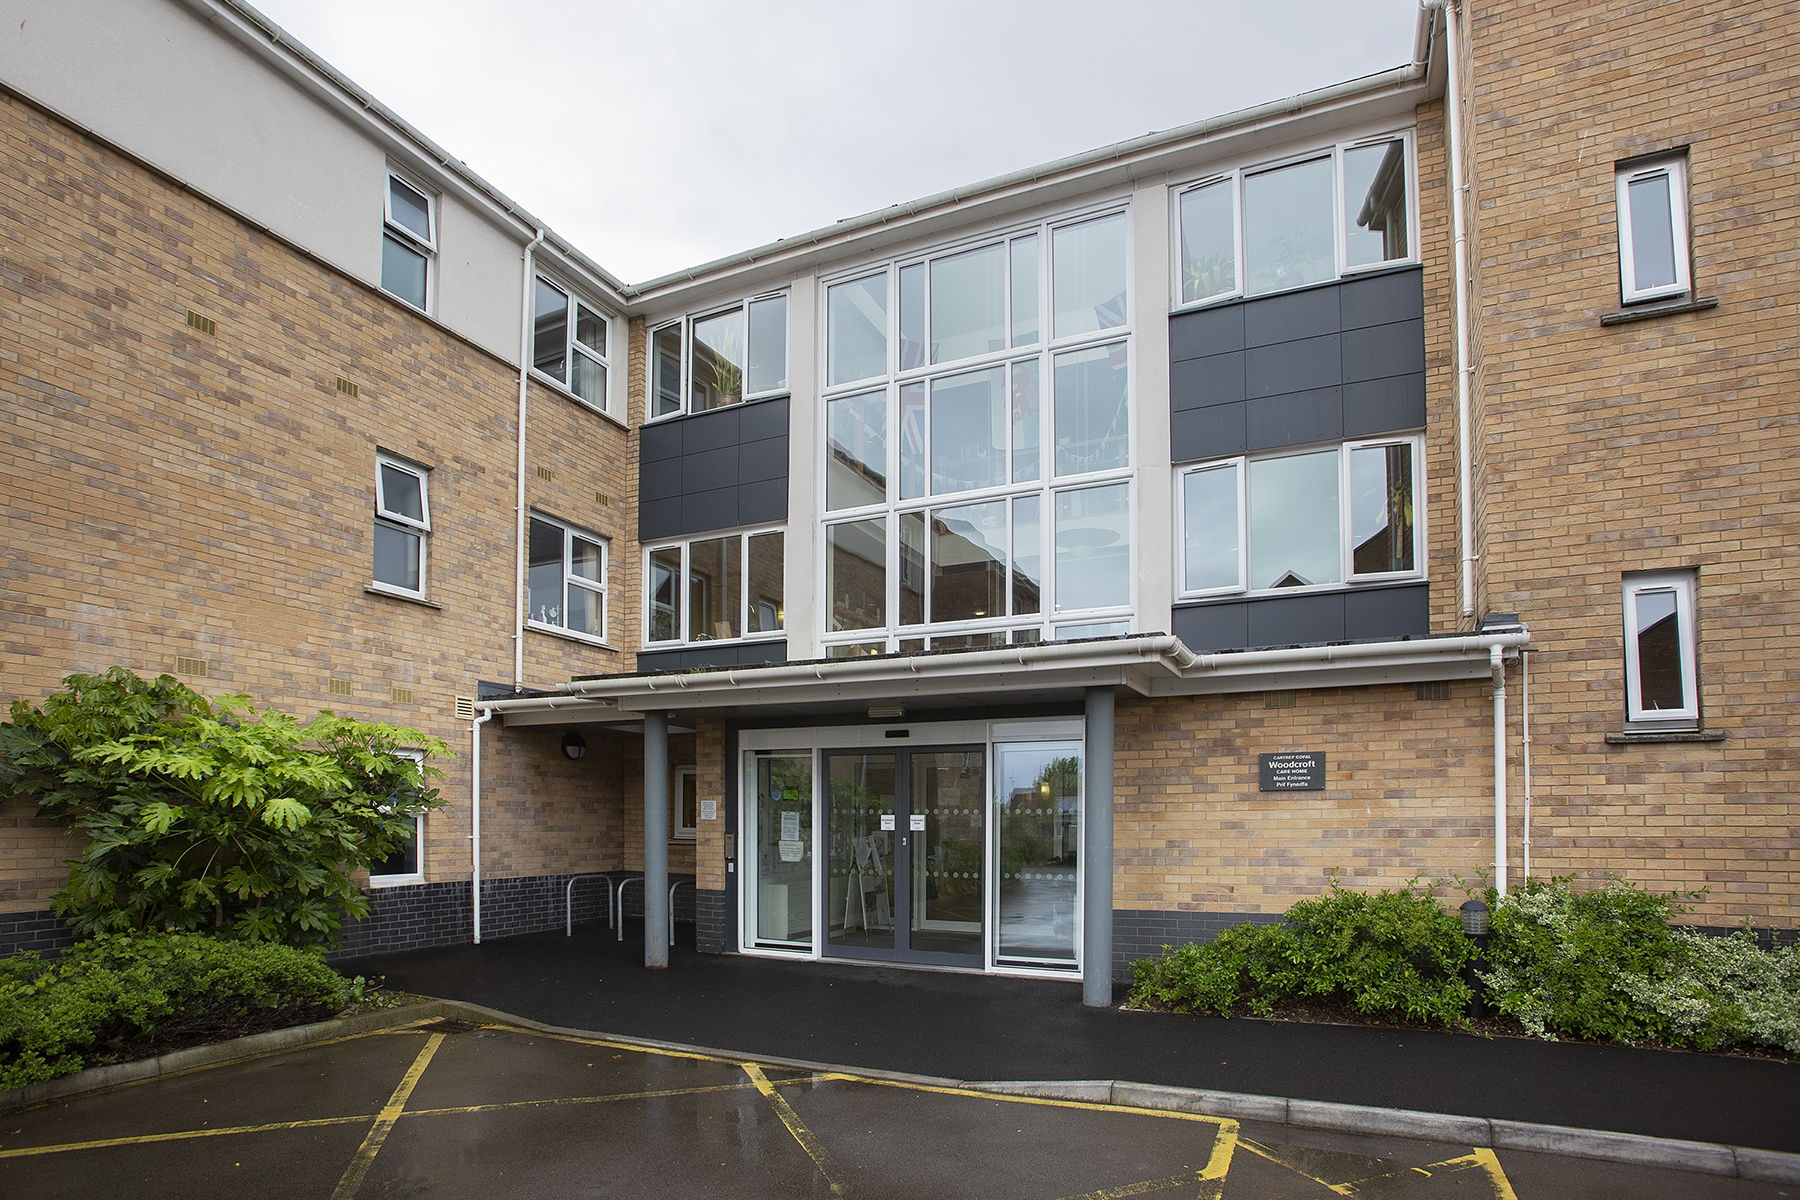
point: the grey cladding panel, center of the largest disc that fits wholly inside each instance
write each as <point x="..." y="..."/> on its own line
<point x="659" y="480"/>
<point x="1206" y="433"/>
<point x="710" y="431"/>
<point x="1291" y="317"/>
<point x="758" y="461"/>
<point x="1383" y="299"/>
<point x="1294" y="366"/>
<point x="1355" y="614"/>
<point x="714" y="470"/>
<point x="731" y="654"/>
<point x="1203" y="382"/>
<point x="703" y="511"/>
<point x="1212" y="626"/>
<point x="1207" y="332"/>
<point x="657" y="442"/>
<point x="1384" y="405"/>
<point x="1297" y="620"/>
<point x="709" y="469"/>
<point x="1384" y="350"/>
<point x="1294" y="420"/>
<point x="764" y="419"/>
<point x="762" y="503"/>
<point x="1388" y="612"/>
<point x="659" y="519"/>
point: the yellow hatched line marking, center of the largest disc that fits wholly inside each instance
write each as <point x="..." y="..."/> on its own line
<point x="147" y="1138"/>
<point x="1480" y="1159"/>
<point x="384" y="1122"/>
<point x="1049" y="1101"/>
<point x="814" y="1148"/>
<point x="612" y="1045"/>
<point x="477" y="1108"/>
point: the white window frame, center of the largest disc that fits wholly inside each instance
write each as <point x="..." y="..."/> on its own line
<point x="425" y="247"/>
<point x="418" y="820"/>
<point x="405" y="524"/>
<point x="1674" y="167"/>
<point x="684" y="636"/>
<point x="1346" y="534"/>
<point x="570" y="580"/>
<point x="1008" y="628"/>
<point x="1637" y="717"/>
<point x="679" y="831"/>
<point x="572" y="347"/>
<point x="686" y="324"/>
<point x="1235" y="178"/>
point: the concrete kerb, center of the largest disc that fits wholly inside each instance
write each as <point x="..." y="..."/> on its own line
<point x="1768" y="1166"/>
<point x="96" y="1079"/>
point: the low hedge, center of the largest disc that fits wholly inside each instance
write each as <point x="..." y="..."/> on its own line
<point x="116" y="997"/>
<point x="1603" y="964"/>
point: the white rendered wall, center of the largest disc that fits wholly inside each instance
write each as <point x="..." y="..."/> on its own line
<point x="1154" y="552"/>
<point x="800" y="549"/>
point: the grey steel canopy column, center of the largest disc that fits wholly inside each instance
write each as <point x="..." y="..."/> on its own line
<point x="656" y="839"/>
<point x="1097" y="852"/>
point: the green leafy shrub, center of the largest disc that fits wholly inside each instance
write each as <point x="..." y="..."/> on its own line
<point x="1396" y="954"/>
<point x="118" y="996"/>
<point x="207" y="814"/>
<point x="1605" y="964"/>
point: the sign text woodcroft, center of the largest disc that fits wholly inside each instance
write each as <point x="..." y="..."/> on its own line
<point x="1297" y="771"/>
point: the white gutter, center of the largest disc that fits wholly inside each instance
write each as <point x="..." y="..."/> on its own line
<point x="487" y="715"/>
<point x="526" y="291"/>
<point x="1498" y="666"/>
<point x="1465" y="468"/>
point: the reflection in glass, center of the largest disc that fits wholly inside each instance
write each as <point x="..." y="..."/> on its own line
<point x="409" y="209"/>
<point x="1100" y="629"/>
<point x="1294" y="538"/>
<point x="1659" y="651"/>
<point x="856" y="451"/>
<point x="590" y="329"/>
<point x="1093" y="547"/>
<point x="968" y="431"/>
<point x="856" y="330"/>
<point x="400" y="493"/>
<point x="718" y="377"/>
<point x="589" y="381"/>
<point x="1025" y="291"/>
<point x="856" y="574"/>
<point x="946" y="789"/>
<point x="966" y="641"/>
<point x="912" y="568"/>
<point x="1652" y="232"/>
<point x="968" y="304"/>
<point x="1287" y="227"/>
<point x="714" y="572"/>
<point x="550" y="331"/>
<point x="1209" y="501"/>
<point x="767" y="570"/>
<point x="667" y="353"/>
<point x="1208" y="242"/>
<point x="544" y="573"/>
<point x="1025" y="421"/>
<point x="767" y="369"/>
<point x="860" y="873"/>
<point x="912" y="316"/>
<point x="1091" y="433"/>
<point x="402" y="271"/>
<point x="1037" y="806"/>
<point x="1028" y="556"/>
<point x="1381" y="509"/>
<point x="912" y="441"/>
<point x="782" y="845"/>
<point x="1087" y="272"/>
<point x="396" y="556"/>
<point x="1375" y="224"/>
<point x="968" y="562"/>
<point x="665" y="617"/>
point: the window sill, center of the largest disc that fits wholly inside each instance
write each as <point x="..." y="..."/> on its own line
<point x="755" y="639"/>
<point x="569" y="635"/>
<point x="1672" y="735"/>
<point x="1663" y="309"/>
<point x="375" y="589"/>
<point x="388" y="881"/>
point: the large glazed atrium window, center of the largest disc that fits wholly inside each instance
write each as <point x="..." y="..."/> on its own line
<point x="977" y="472"/>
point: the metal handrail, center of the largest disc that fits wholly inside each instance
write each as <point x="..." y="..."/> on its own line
<point x="569" y="900"/>
<point x="624" y="883"/>
<point x="672" y="887"/>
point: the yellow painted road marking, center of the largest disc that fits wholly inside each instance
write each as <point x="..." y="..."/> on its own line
<point x="384" y="1121"/>
<point x="147" y="1138"/>
<point x="1185" y="1179"/>
<point x="1050" y="1101"/>
<point x="1480" y="1159"/>
<point x="814" y="1148"/>
<point x="478" y="1108"/>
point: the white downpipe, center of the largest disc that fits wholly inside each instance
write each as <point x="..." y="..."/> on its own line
<point x="1497" y="664"/>
<point x="1465" y="464"/>
<point x="526" y="290"/>
<point x="487" y="714"/>
<point x="1525" y="721"/>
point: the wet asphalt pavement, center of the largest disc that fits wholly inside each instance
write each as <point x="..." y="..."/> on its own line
<point x="962" y="1026"/>
<point x="455" y="1110"/>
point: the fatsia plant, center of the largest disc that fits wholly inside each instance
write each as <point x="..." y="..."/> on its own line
<point x="208" y="815"/>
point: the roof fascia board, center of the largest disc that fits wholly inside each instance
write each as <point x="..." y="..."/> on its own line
<point x="268" y="41"/>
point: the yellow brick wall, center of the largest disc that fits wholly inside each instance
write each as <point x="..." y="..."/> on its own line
<point x="173" y="494"/>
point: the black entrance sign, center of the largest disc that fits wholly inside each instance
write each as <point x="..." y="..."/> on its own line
<point x="1303" y="771"/>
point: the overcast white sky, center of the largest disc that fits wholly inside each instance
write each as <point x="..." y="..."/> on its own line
<point x="657" y="134"/>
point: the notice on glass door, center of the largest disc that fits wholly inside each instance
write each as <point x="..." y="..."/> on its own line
<point x="887" y="820"/>
<point x="790" y="828"/>
<point x="792" y="851"/>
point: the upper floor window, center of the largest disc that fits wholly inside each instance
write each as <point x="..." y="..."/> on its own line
<point x="721" y="357"/>
<point x="569" y="342"/>
<point x="1307" y="519"/>
<point x="402" y="521"/>
<point x="408" y="242"/>
<point x="716" y="589"/>
<point x="1308" y="220"/>
<point x="1653" y="229"/>
<point x="1661" y="682"/>
<point x="566" y="578"/>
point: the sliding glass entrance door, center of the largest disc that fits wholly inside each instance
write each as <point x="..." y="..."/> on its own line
<point x="1037" y="808"/>
<point x="780" y="838"/>
<point x="904" y="876"/>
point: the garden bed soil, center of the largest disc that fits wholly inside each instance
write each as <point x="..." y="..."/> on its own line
<point x="207" y="1029"/>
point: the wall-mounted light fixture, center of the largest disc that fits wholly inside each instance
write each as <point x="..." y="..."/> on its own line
<point x="574" y="745"/>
